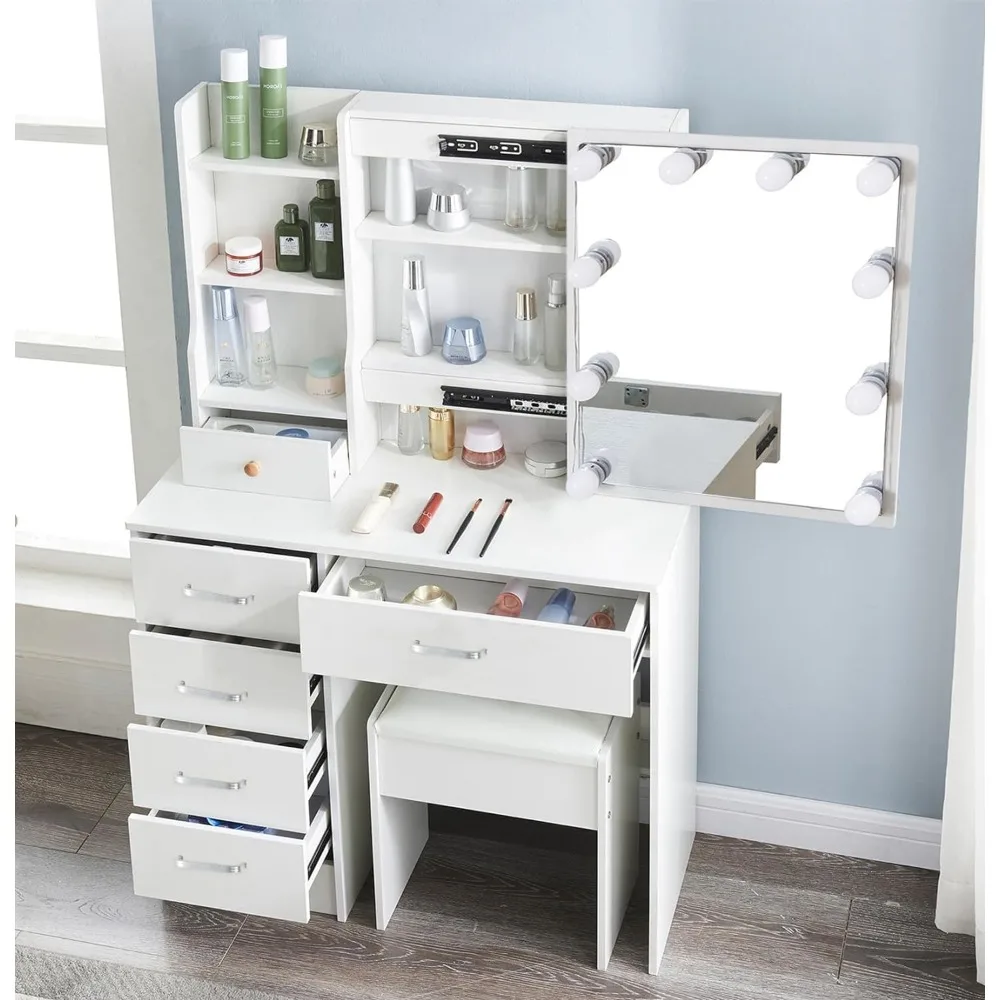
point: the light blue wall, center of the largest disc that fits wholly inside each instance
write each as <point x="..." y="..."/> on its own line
<point x="826" y="650"/>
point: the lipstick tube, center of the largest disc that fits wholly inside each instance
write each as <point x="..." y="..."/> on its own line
<point x="430" y="509"/>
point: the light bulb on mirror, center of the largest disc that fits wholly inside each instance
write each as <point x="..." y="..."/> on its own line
<point x="588" y="161"/>
<point x="598" y="260"/>
<point x="865" y="505"/>
<point x="682" y="164"/>
<point x="585" y="481"/>
<point x="587" y="382"/>
<point x="878" y="176"/>
<point x="778" y="169"/>
<point x="866" y="395"/>
<point x="876" y="275"/>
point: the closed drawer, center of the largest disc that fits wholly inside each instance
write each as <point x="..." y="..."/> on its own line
<point x="265" y="874"/>
<point x="312" y="468"/>
<point x="469" y="651"/>
<point x="255" y="780"/>
<point x="212" y="588"/>
<point x="240" y="685"/>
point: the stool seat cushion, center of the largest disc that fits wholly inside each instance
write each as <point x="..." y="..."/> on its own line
<point x="554" y="734"/>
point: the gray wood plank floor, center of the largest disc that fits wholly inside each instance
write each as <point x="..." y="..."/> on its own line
<point x="496" y="908"/>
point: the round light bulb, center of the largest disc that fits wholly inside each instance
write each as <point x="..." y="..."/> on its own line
<point x="678" y="167"/>
<point x="774" y="173"/>
<point x="871" y="280"/>
<point x="584" y="272"/>
<point x="584" y="384"/>
<point x="877" y="177"/>
<point x="863" y="508"/>
<point x="584" y="164"/>
<point x="864" y="397"/>
<point x="583" y="483"/>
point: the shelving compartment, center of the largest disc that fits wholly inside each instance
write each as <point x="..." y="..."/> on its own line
<point x="469" y="651"/>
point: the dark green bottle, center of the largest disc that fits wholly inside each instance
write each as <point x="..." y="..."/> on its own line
<point x="291" y="241"/>
<point x="326" y="238"/>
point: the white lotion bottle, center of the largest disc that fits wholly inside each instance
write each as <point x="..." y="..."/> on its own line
<point x="400" y="193"/>
<point x="415" y="331"/>
<point x="263" y="373"/>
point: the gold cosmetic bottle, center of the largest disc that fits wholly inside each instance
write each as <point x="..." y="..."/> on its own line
<point x="442" y="432"/>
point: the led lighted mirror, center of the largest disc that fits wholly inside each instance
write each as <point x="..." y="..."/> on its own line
<point x="756" y="311"/>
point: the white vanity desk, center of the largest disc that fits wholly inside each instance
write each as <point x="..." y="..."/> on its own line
<point x="604" y="545"/>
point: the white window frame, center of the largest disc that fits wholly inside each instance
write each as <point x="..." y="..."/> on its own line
<point x="148" y="351"/>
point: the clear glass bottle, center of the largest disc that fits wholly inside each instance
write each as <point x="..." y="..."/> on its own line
<point x="521" y="212"/>
<point x="230" y="353"/>
<point x="410" y="430"/>
<point x="555" y="201"/>
<point x="263" y="369"/>
<point x="555" y="323"/>
<point x="527" y="328"/>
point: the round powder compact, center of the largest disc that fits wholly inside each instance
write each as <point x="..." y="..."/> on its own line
<point x="292" y="432"/>
<point x="325" y="377"/>
<point x="546" y="459"/>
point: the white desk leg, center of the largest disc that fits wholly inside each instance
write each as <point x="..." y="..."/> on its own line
<point x="399" y="832"/>
<point x="617" y="830"/>
<point x="347" y="707"/>
<point x="672" y="733"/>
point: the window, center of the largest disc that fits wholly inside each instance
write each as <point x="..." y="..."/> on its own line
<point x="95" y="379"/>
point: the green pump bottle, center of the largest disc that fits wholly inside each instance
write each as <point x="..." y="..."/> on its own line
<point x="326" y="238"/>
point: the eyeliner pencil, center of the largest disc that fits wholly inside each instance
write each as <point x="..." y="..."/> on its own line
<point x="463" y="526"/>
<point x="496" y="526"/>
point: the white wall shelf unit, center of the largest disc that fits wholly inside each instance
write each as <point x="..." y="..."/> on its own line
<point x="262" y="526"/>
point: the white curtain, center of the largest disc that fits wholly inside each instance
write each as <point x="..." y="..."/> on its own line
<point x="961" y="889"/>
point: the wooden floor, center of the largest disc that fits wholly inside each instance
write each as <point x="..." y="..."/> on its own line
<point x="492" y="911"/>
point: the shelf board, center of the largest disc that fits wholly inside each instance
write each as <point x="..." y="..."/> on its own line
<point x="389" y="376"/>
<point x="270" y="280"/>
<point x="487" y="234"/>
<point x="288" y="398"/>
<point x="290" y="166"/>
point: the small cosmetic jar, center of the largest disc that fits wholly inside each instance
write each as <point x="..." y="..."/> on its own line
<point x="448" y="210"/>
<point x="366" y="588"/>
<point x="292" y="432"/>
<point x="325" y="377"/>
<point x="244" y="428"/>
<point x="483" y="447"/>
<point x="463" y="342"/>
<point x="244" y="256"/>
<point x="430" y="595"/>
<point x="546" y="459"/>
<point x="318" y="145"/>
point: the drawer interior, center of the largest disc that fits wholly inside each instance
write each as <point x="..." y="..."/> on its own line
<point x="334" y="436"/>
<point x="476" y="595"/>
<point x="314" y="749"/>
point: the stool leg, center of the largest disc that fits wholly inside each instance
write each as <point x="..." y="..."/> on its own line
<point x="617" y="831"/>
<point x="399" y="832"/>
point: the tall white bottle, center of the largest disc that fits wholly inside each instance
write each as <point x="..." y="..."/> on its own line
<point x="415" y="331"/>
<point x="400" y="194"/>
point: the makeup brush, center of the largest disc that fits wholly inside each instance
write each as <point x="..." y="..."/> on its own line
<point x="463" y="526"/>
<point x="496" y="526"/>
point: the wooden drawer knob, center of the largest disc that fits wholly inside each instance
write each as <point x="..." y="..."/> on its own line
<point x="252" y="469"/>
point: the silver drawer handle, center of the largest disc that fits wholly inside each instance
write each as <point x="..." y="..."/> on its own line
<point x="459" y="654"/>
<point x="210" y="866"/>
<point x="211" y="595"/>
<point x="182" y="688"/>
<point x="230" y="786"/>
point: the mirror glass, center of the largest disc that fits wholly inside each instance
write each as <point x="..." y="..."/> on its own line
<point x="732" y="313"/>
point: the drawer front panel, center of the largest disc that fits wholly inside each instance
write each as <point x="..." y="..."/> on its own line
<point x="262" y="874"/>
<point x="217" y="589"/>
<point x="220" y="684"/>
<point x="261" y="463"/>
<point x="538" y="663"/>
<point x="239" y="780"/>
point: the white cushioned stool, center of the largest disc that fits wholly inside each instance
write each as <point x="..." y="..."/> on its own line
<point x="546" y="764"/>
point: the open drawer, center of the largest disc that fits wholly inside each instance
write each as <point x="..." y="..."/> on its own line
<point x="469" y="651"/>
<point x="312" y="468"/>
<point x="241" y="777"/>
<point x="243" y="684"/>
<point x="269" y="874"/>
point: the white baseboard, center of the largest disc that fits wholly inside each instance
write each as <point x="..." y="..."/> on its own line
<point x="813" y="825"/>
